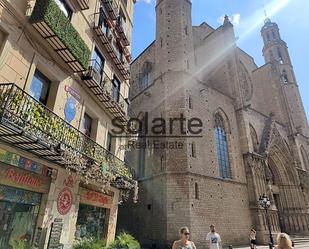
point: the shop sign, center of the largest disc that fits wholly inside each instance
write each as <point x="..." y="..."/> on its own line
<point x="20" y="178"/>
<point x="73" y="92"/>
<point x="95" y="198"/>
<point x="64" y="201"/>
<point x="22" y="162"/>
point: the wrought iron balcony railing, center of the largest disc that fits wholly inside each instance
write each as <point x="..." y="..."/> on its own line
<point x="105" y="91"/>
<point x="101" y="21"/>
<point x="56" y="29"/>
<point x="84" y="4"/>
<point x="111" y="7"/>
<point x="29" y="125"/>
<point x="122" y="30"/>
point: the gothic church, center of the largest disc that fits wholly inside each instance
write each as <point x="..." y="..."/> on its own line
<point x="255" y="137"/>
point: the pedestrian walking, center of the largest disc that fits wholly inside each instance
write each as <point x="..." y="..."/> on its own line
<point x="213" y="238"/>
<point x="184" y="242"/>
<point x="284" y="241"/>
<point x="253" y="238"/>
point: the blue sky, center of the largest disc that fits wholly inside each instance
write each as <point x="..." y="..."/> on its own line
<point x="292" y="17"/>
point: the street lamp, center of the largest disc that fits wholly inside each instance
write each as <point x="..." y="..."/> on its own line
<point x="265" y="203"/>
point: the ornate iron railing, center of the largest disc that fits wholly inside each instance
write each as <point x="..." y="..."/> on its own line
<point x="30" y="125"/>
<point x="105" y="90"/>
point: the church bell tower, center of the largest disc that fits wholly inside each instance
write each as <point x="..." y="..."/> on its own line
<point x="276" y="51"/>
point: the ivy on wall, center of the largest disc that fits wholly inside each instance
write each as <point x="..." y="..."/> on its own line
<point x="49" y="12"/>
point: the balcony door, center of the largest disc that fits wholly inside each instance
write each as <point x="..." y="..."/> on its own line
<point x="97" y="64"/>
<point x="116" y="89"/>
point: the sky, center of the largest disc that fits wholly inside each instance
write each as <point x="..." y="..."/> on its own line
<point x="292" y="17"/>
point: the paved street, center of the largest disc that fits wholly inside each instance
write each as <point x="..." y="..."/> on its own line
<point x="304" y="245"/>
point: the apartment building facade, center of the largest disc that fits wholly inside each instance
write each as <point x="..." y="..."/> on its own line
<point x="64" y="74"/>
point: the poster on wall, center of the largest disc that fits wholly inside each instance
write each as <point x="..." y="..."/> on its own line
<point x="71" y="105"/>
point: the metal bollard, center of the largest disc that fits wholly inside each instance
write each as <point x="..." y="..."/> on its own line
<point x="230" y="247"/>
<point x="270" y="246"/>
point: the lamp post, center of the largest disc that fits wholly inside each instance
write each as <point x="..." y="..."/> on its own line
<point x="264" y="202"/>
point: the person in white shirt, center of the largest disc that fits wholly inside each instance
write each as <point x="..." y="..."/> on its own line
<point x="213" y="238"/>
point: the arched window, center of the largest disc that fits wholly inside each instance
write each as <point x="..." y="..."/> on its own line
<point x="285" y="77"/>
<point x="222" y="147"/>
<point x="197" y="191"/>
<point x="254" y="138"/>
<point x="145" y="79"/>
<point x="305" y="158"/>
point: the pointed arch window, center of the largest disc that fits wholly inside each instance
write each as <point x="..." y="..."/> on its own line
<point x="305" y="158"/>
<point x="285" y="77"/>
<point x="222" y="147"/>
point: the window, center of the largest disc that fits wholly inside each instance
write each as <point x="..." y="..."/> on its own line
<point x="97" y="63"/>
<point x="197" y="191"/>
<point x="285" y="77"/>
<point x="273" y="34"/>
<point x="116" y="89"/>
<point x="222" y="147"/>
<point x="145" y="81"/>
<point x="193" y="150"/>
<point x="254" y="138"/>
<point x="102" y="22"/>
<point x="109" y="142"/>
<point x="142" y="157"/>
<point x="268" y="37"/>
<point x="190" y="103"/>
<point x="280" y="55"/>
<point x="3" y="37"/>
<point x="65" y="8"/>
<point x="87" y="125"/>
<point x="91" y="222"/>
<point x="305" y="158"/>
<point x="40" y="86"/>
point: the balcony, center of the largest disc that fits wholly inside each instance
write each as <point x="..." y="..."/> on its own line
<point x="121" y="29"/>
<point x="111" y="7"/>
<point x="102" y="27"/>
<point x="83" y="4"/>
<point x="57" y="30"/>
<point x="102" y="88"/>
<point x="29" y="125"/>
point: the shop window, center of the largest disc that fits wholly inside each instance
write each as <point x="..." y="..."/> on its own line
<point x="18" y="215"/>
<point x="65" y="8"/>
<point x="97" y="64"/>
<point x="222" y="147"/>
<point x="40" y="87"/>
<point x="91" y="222"/>
<point x="87" y="125"/>
<point x="116" y="89"/>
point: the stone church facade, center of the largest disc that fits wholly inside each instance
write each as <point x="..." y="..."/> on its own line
<point x="255" y="136"/>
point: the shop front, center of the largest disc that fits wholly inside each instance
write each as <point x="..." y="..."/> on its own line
<point x="93" y="215"/>
<point x="22" y="185"/>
